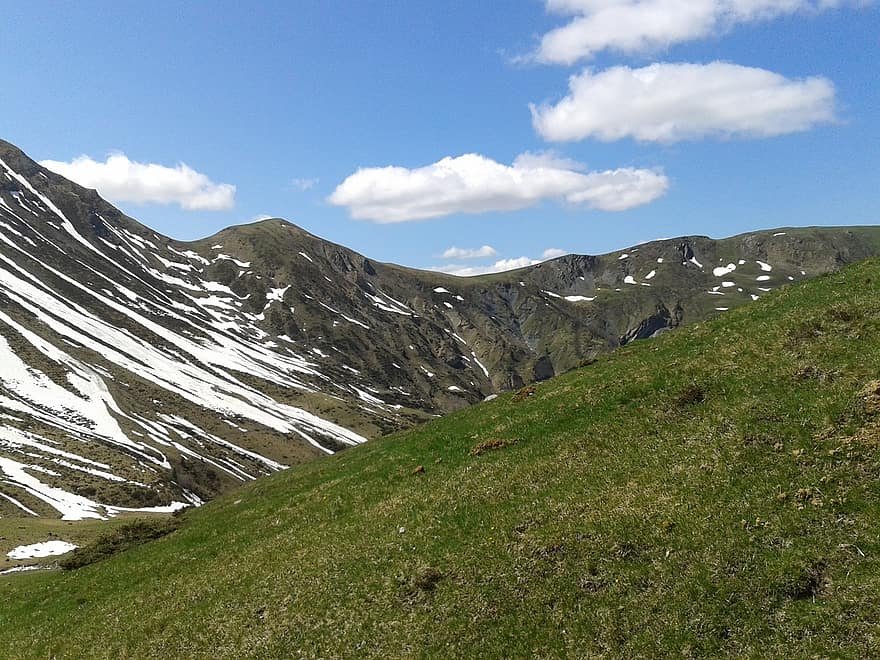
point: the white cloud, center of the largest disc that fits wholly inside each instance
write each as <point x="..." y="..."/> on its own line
<point x="673" y="102"/>
<point x="552" y="253"/>
<point x="303" y="184"/>
<point x="475" y="184"/>
<point x="635" y="26"/>
<point x="122" y="180"/>
<point x="259" y="218"/>
<point x="499" y="266"/>
<point x="469" y="253"/>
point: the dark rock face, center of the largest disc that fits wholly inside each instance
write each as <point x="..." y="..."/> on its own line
<point x="543" y="369"/>
<point x="660" y="320"/>
<point x="186" y="368"/>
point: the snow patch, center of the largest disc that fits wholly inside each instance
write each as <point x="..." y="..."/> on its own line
<point x="277" y="294"/>
<point x="45" y="549"/>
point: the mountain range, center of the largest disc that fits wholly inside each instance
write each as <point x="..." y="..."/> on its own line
<point x="138" y="372"/>
<point x="709" y="493"/>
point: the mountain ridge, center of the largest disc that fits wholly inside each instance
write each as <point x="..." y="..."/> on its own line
<point x="710" y="493"/>
<point x="144" y="372"/>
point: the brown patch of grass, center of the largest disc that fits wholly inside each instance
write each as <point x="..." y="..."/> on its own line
<point x="836" y="319"/>
<point x="427" y="579"/>
<point x="810" y="372"/>
<point x="870" y="396"/>
<point x="491" y="445"/>
<point x="627" y="550"/>
<point x="524" y="393"/>
<point x="810" y="581"/>
<point x="418" y="588"/>
<point x="690" y="395"/>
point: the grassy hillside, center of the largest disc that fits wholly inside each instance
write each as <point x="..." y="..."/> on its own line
<point x="713" y="491"/>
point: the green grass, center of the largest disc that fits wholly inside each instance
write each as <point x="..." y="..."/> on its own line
<point x="711" y="492"/>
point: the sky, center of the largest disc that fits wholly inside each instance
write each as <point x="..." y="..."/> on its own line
<point x="459" y="135"/>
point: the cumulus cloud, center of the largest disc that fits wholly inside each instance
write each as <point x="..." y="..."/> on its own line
<point x="499" y="266"/>
<point x="469" y="253"/>
<point x="122" y="180"/>
<point x="673" y="102"/>
<point x="463" y="270"/>
<point x="475" y="184"/>
<point x="303" y="184"/>
<point x="634" y="26"/>
<point x="552" y="253"/>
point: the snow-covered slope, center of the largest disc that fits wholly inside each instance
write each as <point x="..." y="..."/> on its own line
<point x="138" y="372"/>
<point x="120" y="364"/>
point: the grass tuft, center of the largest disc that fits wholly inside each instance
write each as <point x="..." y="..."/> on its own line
<point x="492" y="444"/>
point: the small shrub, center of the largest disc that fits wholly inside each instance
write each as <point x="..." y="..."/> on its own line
<point x="120" y="539"/>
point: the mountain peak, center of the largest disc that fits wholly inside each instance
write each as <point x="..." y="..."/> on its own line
<point x="18" y="161"/>
<point x="9" y="149"/>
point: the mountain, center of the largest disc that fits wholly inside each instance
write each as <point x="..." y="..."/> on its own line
<point x="710" y="493"/>
<point x="140" y="372"/>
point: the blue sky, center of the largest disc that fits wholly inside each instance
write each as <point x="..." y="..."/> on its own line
<point x="774" y="120"/>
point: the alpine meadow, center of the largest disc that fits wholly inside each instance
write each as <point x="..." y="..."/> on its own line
<point x="535" y="329"/>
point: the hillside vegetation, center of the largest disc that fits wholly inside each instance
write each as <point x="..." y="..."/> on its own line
<point x="712" y="491"/>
